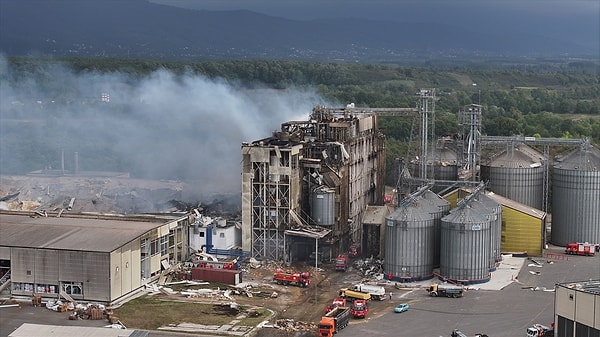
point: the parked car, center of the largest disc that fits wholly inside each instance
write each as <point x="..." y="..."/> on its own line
<point x="402" y="307"/>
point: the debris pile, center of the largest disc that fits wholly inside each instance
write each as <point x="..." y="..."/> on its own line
<point x="369" y="267"/>
<point x="288" y="324"/>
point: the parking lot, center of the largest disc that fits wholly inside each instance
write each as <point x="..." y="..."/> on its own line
<point x="505" y="312"/>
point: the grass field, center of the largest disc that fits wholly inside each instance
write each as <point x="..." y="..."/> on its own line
<point x="150" y="313"/>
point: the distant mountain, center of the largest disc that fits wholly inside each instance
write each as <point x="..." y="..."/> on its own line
<point x="137" y="28"/>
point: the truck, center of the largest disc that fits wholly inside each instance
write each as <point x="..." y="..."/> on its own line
<point x="359" y="309"/>
<point x="585" y="248"/>
<point x="287" y="278"/>
<point x="377" y="292"/>
<point x="353" y="294"/>
<point x="448" y="290"/>
<point x="458" y="333"/>
<point x="334" y="321"/>
<point x="354" y="250"/>
<point x="341" y="262"/>
<point x="337" y="302"/>
<point x="539" y="330"/>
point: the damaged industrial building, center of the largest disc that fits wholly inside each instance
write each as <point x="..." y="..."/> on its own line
<point x="307" y="187"/>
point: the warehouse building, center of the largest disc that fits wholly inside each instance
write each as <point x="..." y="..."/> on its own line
<point x="523" y="227"/>
<point x="100" y="258"/>
<point x="577" y="309"/>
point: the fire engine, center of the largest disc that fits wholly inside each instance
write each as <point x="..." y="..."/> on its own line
<point x="359" y="309"/>
<point x="341" y="262"/>
<point x="337" y="302"/>
<point x="539" y="330"/>
<point x="578" y="248"/>
<point x="298" y="279"/>
<point x="354" y="250"/>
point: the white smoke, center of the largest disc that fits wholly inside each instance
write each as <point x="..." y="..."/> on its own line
<point x="164" y="126"/>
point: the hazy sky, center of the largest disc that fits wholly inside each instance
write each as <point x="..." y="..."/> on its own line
<point x="564" y="19"/>
<point x="401" y="10"/>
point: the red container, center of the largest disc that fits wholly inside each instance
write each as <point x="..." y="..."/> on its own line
<point x="226" y="276"/>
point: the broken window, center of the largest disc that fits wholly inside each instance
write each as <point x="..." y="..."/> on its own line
<point x="72" y="288"/>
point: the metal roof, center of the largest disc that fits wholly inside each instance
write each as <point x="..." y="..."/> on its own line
<point x="581" y="159"/>
<point x="29" y="329"/>
<point x="531" y="211"/>
<point x="521" y="156"/>
<point x="375" y="214"/>
<point x="591" y="286"/>
<point x="97" y="234"/>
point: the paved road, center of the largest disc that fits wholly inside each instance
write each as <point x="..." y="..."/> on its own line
<point x="497" y="313"/>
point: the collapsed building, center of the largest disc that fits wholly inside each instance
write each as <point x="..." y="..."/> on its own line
<point x="310" y="183"/>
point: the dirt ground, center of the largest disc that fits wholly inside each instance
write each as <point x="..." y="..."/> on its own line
<point x="306" y="306"/>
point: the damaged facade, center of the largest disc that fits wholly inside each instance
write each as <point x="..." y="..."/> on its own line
<point x="88" y="258"/>
<point x="310" y="183"/>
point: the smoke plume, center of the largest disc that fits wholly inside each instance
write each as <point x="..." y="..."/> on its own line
<point x="161" y="126"/>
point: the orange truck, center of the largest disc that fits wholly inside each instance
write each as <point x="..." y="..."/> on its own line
<point x="298" y="279"/>
<point x="578" y="248"/>
<point x="334" y="321"/>
<point x="359" y="309"/>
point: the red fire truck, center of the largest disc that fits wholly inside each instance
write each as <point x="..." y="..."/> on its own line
<point x="297" y="279"/>
<point x="359" y="309"/>
<point x="337" y="302"/>
<point x="354" y="250"/>
<point x="578" y="248"/>
<point x="341" y="262"/>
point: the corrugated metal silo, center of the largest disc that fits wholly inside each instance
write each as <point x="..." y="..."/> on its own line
<point x="440" y="208"/>
<point x="465" y="246"/>
<point x="493" y="211"/>
<point x="323" y="206"/>
<point x="576" y="198"/>
<point x="409" y="242"/>
<point x="441" y="165"/>
<point x="517" y="174"/>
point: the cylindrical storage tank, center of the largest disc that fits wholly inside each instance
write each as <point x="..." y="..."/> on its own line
<point x="440" y="208"/>
<point x="409" y="242"/>
<point x="517" y="174"/>
<point x="465" y="246"/>
<point x="493" y="211"/>
<point x="322" y="206"/>
<point x="441" y="165"/>
<point x="576" y="198"/>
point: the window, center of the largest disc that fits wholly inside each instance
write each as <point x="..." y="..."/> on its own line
<point x="154" y="247"/>
<point x="46" y="289"/>
<point x="22" y="287"/>
<point x="201" y="234"/>
<point x="221" y="235"/>
<point x="72" y="288"/>
<point x="164" y="245"/>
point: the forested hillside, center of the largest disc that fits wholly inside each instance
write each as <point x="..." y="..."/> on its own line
<point x="545" y="100"/>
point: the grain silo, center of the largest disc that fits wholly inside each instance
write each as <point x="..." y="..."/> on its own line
<point x="576" y="197"/>
<point x="442" y="165"/>
<point x="493" y="211"/>
<point x="517" y="174"/>
<point x="409" y="241"/>
<point x="465" y="246"/>
<point x="323" y="206"/>
<point x="440" y="207"/>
